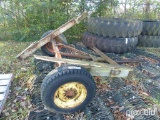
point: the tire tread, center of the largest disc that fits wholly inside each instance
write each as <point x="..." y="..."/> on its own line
<point x="115" y="27"/>
<point x="107" y="44"/>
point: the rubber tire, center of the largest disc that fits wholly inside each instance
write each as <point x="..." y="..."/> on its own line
<point x="149" y="41"/>
<point x="110" y="45"/>
<point x="151" y="28"/>
<point x="45" y="50"/>
<point x="115" y="27"/>
<point x="60" y="76"/>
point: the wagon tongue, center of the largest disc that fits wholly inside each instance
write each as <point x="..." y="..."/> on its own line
<point x="36" y="45"/>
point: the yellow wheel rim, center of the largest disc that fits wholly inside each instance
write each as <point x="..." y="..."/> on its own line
<point x="70" y="95"/>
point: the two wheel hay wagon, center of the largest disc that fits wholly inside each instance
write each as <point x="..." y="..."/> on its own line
<point x="70" y="86"/>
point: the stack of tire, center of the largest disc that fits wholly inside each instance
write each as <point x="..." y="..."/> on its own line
<point x="150" y="36"/>
<point x="112" y="35"/>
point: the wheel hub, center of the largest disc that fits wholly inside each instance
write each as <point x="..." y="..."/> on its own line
<point x="70" y="95"/>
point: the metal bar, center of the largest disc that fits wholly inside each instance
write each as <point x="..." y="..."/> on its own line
<point x="73" y="49"/>
<point x="104" y="56"/>
<point x="76" y="56"/>
<point x="34" y="46"/>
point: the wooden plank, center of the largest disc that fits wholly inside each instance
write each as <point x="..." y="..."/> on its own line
<point x="5" y="76"/>
<point x="3" y="89"/>
<point x="66" y="61"/>
<point x="56" y="50"/>
<point x="0" y="105"/>
<point x="57" y="53"/>
<point x="2" y="95"/>
<point x="104" y="56"/>
<point x="96" y="68"/>
<point x="5" y="82"/>
<point x="4" y="100"/>
<point x="81" y="62"/>
<point x="34" y="46"/>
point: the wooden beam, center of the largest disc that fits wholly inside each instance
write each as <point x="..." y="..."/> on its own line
<point x="56" y="50"/>
<point x="95" y="68"/>
<point x="5" y="82"/>
<point x="34" y="46"/>
<point x="104" y="56"/>
<point x="68" y="61"/>
<point x="81" y="62"/>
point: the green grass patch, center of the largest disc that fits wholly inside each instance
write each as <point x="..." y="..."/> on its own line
<point x="18" y="102"/>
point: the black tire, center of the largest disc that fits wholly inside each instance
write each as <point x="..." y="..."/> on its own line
<point x="60" y="76"/>
<point x="44" y="48"/>
<point x="148" y="41"/>
<point x="115" y="27"/>
<point x="151" y="28"/>
<point x="110" y="45"/>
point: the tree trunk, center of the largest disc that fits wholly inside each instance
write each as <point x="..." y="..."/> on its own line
<point x="82" y="6"/>
<point x="50" y="12"/>
<point x="147" y="9"/>
<point x="100" y="12"/>
<point x="125" y="8"/>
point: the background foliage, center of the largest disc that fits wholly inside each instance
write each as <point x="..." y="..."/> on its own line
<point x="27" y="20"/>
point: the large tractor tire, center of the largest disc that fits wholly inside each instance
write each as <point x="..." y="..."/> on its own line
<point x="151" y="28"/>
<point x="67" y="89"/>
<point x="110" y="45"/>
<point x="148" y="41"/>
<point x="115" y="27"/>
<point x="47" y="48"/>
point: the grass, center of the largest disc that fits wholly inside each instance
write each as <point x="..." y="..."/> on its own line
<point x="18" y="103"/>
